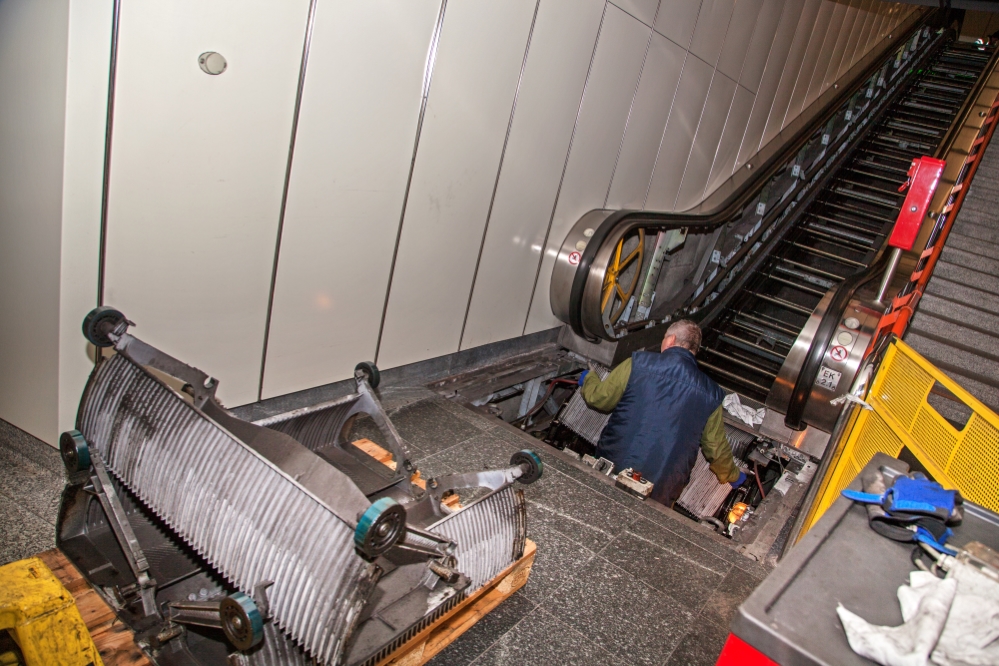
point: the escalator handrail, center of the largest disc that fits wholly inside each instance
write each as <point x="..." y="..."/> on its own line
<point x="846" y="290"/>
<point x="734" y="203"/>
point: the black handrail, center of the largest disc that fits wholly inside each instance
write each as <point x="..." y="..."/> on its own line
<point x="735" y="202"/>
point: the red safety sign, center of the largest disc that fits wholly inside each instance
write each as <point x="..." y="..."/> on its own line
<point x="574" y="258"/>
<point x="838" y="353"/>
<point x="924" y="174"/>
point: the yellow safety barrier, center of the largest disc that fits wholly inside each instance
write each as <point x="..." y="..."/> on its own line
<point x="902" y="418"/>
<point x="42" y="617"/>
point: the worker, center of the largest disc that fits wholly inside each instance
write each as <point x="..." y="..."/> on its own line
<point x="664" y="406"/>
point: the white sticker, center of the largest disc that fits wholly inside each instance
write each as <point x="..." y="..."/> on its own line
<point x="796" y="171"/>
<point x="716" y="256"/>
<point x="574" y="258"/>
<point x="761" y="208"/>
<point x="849" y="115"/>
<point x="825" y="139"/>
<point x="870" y="92"/>
<point x="828" y="378"/>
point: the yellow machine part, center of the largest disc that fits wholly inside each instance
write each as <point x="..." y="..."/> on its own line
<point x="42" y="617"/>
<point x="901" y="418"/>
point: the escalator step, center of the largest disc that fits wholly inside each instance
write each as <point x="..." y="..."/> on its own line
<point x="962" y="293"/>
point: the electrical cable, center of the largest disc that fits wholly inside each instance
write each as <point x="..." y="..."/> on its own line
<point x="756" y="474"/>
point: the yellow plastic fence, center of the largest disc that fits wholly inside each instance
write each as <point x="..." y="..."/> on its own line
<point x="966" y="459"/>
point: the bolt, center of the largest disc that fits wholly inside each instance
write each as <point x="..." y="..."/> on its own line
<point x="914" y="209"/>
<point x="237" y="622"/>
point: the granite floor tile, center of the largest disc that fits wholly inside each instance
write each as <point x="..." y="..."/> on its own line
<point x="686" y="580"/>
<point x="701" y="646"/>
<point x="541" y="638"/>
<point x="586" y="517"/>
<point x="485" y="632"/>
<point x="722" y="605"/>
<point x="558" y="560"/>
<point x="476" y="418"/>
<point x="22" y="533"/>
<point x="431" y="428"/>
<point x="672" y="542"/>
<point x="597" y="485"/>
<point x="620" y="613"/>
<point x="397" y="397"/>
<point x="39" y="495"/>
<point x="37" y="451"/>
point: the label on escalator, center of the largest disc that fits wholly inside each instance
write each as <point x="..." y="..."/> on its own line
<point x="828" y="378"/>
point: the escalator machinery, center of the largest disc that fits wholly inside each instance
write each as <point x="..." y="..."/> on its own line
<point x="272" y="543"/>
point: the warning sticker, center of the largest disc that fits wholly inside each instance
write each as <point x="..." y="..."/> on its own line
<point x="838" y="353"/>
<point x="574" y="258"/>
<point x="828" y="378"/>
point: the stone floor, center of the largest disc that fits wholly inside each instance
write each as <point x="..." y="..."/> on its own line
<point x="615" y="581"/>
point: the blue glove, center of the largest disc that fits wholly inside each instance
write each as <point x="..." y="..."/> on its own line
<point x="582" y="377"/>
<point x="738" y="482"/>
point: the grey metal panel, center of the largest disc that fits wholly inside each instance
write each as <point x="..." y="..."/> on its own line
<point x="679" y="135"/>
<point x="676" y="20"/>
<point x="815" y="42"/>
<point x="866" y="33"/>
<point x="792" y="65"/>
<point x="710" y="30"/>
<point x="728" y="147"/>
<point x="709" y="131"/>
<point x="770" y="80"/>
<point x="373" y="53"/>
<point x="602" y="116"/>
<point x="850" y="53"/>
<point x="815" y="86"/>
<point x="643" y="10"/>
<point x="478" y="65"/>
<point x="564" y="37"/>
<point x="649" y="114"/>
<point x="832" y="70"/>
<point x="737" y="39"/>
<point x="755" y="60"/>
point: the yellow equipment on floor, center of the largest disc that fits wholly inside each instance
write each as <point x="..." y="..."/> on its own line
<point x="42" y="617"/>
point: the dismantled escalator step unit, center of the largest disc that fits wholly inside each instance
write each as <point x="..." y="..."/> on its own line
<point x="275" y="542"/>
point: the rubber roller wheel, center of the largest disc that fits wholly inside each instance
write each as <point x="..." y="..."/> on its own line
<point x="535" y="468"/>
<point x="371" y="370"/>
<point x="241" y="621"/>
<point x="381" y="526"/>
<point x="99" y="322"/>
<point x="75" y="451"/>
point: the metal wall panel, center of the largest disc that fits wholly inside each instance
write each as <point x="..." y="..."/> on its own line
<point x="792" y="65"/>
<point x="478" y="65"/>
<point x="643" y="10"/>
<point x="709" y="32"/>
<point x="755" y="59"/>
<point x="649" y="113"/>
<point x="740" y="32"/>
<point x="728" y="147"/>
<point x="783" y="36"/>
<point x="676" y="20"/>
<point x="832" y="70"/>
<point x="850" y="52"/>
<point x="678" y="138"/>
<point x="561" y="47"/>
<point x="610" y="87"/>
<point x="808" y="63"/>
<point x="197" y="174"/>
<point x="709" y="131"/>
<point x="347" y="186"/>
<point x="816" y="86"/>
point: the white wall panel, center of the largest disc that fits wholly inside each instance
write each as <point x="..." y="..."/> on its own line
<point x="197" y="173"/>
<point x="360" y="108"/>
<point x="478" y="65"/>
<point x="564" y="36"/>
<point x="792" y="65"/>
<point x="83" y="179"/>
<point x="820" y="28"/>
<point x="781" y="44"/>
<point x="815" y="86"/>
<point x="649" y="113"/>
<point x="737" y="39"/>
<point x="755" y="59"/>
<point x="32" y="119"/>
<point x="709" y="131"/>
<point x="728" y="147"/>
<point x="643" y="10"/>
<point x="679" y="135"/>
<point x="676" y="20"/>
<point x="709" y="32"/>
<point x="610" y="87"/>
<point x="832" y="70"/>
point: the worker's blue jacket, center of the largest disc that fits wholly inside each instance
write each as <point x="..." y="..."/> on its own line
<point x="656" y="427"/>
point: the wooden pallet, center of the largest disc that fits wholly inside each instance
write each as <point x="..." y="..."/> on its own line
<point x="114" y="640"/>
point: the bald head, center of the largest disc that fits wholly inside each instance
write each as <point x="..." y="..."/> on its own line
<point x="683" y="333"/>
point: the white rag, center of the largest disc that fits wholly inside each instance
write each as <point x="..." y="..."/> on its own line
<point x="949" y="622"/>
<point x="750" y="416"/>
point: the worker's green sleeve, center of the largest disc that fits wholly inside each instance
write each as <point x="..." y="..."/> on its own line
<point x="716" y="449"/>
<point x="604" y="395"/>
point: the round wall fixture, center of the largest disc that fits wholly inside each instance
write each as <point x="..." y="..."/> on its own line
<point x="212" y="63"/>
